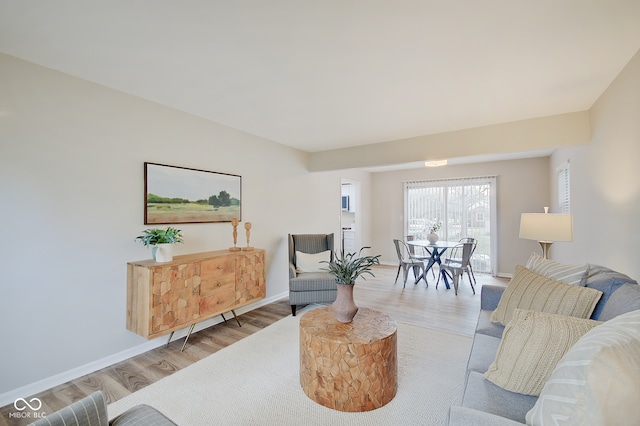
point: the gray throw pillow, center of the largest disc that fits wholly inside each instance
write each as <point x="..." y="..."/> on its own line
<point x="624" y="299"/>
<point x="607" y="283"/>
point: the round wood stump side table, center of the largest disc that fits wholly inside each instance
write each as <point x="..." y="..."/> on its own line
<point x="349" y="366"/>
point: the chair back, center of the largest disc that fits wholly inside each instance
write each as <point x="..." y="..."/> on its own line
<point x="467" y="251"/>
<point x="309" y="243"/>
<point x="474" y="244"/>
<point x="461" y="254"/>
<point x="403" y="251"/>
<point x="473" y="241"/>
<point x="412" y="249"/>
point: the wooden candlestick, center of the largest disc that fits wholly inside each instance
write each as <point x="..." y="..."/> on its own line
<point x="234" y="223"/>
<point x="247" y="226"/>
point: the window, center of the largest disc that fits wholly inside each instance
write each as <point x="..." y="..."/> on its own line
<point x="464" y="207"/>
<point x="564" y="189"/>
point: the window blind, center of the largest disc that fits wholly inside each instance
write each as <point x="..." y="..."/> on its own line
<point x="464" y="207"/>
<point x="564" y="188"/>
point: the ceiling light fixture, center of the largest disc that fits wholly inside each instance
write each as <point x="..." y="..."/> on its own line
<point x="436" y="163"/>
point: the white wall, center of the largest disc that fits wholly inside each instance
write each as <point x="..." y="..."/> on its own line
<point x="523" y="186"/>
<point x="535" y="134"/>
<point x="71" y="185"/>
<point x="605" y="180"/>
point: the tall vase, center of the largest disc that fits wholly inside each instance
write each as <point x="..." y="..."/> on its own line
<point x="344" y="307"/>
<point x="162" y="253"/>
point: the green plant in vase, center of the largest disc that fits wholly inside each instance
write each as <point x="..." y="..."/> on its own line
<point x="161" y="242"/>
<point x="346" y="269"/>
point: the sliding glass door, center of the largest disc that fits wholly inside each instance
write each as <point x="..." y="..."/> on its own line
<point x="463" y="207"/>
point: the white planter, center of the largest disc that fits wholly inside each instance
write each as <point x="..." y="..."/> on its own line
<point x="162" y="253"/>
<point x="432" y="238"/>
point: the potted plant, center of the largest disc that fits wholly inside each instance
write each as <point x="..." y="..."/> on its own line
<point x="161" y="242"/>
<point x="346" y="269"/>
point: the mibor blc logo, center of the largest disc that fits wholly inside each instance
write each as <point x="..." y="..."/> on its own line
<point x="27" y="409"/>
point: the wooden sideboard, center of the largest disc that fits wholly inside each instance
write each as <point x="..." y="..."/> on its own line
<point x="164" y="297"/>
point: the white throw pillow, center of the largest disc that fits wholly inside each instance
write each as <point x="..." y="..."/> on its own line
<point x="529" y="290"/>
<point x="570" y="274"/>
<point x="531" y="346"/>
<point x="597" y="382"/>
<point x="307" y="262"/>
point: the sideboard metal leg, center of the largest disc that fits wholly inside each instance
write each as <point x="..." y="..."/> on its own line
<point x="169" y="339"/>
<point x="236" y="317"/>
<point x="187" y="338"/>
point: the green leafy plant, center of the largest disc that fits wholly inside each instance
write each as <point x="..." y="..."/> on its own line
<point x="347" y="268"/>
<point x="435" y="227"/>
<point x="155" y="236"/>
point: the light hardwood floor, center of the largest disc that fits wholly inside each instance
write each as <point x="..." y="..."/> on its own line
<point x="416" y="304"/>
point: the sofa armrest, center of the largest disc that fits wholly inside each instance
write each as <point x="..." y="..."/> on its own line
<point x="490" y="296"/>
<point x="464" y="416"/>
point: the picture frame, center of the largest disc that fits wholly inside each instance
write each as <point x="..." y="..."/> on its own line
<point x="174" y="194"/>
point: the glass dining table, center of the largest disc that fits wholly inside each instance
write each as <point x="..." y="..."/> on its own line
<point x="435" y="250"/>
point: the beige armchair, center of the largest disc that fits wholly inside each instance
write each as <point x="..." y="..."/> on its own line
<point x="308" y="282"/>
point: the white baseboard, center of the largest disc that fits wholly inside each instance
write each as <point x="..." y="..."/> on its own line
<point x="66" y="376"/>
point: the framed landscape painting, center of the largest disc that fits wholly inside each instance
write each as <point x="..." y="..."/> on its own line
<point x="180" y="195"/>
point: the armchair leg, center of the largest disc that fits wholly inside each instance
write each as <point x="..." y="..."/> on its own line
<point x="293" y="310"/>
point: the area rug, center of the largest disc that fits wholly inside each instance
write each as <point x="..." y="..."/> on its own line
<point x="256" y="381"/>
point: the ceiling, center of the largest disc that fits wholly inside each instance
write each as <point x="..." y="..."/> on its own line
<point x="320" y="75"/>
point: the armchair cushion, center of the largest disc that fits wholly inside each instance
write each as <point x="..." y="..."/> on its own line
<point x="313" y="281"/>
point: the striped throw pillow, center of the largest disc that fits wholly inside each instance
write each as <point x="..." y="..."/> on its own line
<point x="565" y="273"/>
<point x="597" y="382"/>
<point x="529" y="290"/>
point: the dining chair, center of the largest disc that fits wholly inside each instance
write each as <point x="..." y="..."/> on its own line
<point x="407" y="261"/>
<point x="424" y="257"/>
<point x="474" y="243"/>
<point x="456" y="257"/>
<point x="455" y="269"/>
